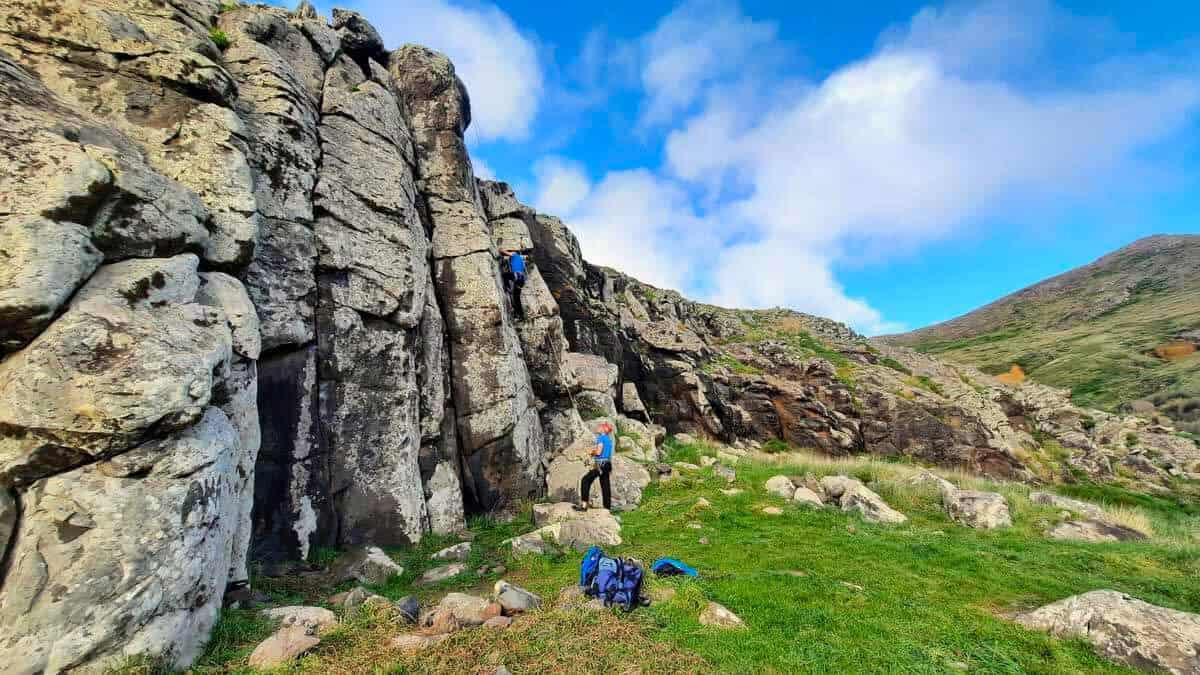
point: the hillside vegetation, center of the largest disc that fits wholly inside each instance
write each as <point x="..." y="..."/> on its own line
<point x="1121" y="329"/>
<point x="820" y="590"/>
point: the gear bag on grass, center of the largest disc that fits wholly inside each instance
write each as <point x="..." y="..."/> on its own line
<point x="669" y="567"/>
<point x="615" y="581"/>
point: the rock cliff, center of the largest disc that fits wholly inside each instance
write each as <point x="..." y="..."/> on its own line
<point x="250" y="304"/>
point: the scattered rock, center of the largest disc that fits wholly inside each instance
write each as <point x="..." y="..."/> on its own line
<point x="567" y="527"/>
<point x="366" y="564"/>
<point x="463" y="609"/>
<point x="981" y="510"/>
<point x="695" y="526"/>
<point x="686" y="466"/>
<point x="703" y="541"/>
<point x="457" y="552"/>
<point x="514" y="599"/>
<point x="926" y="477"/>
<point x="413" y="642"/>
<point x="727" y="457"/>
<point x="707" y="461"/>
<point x="720" y="617"/>
<point x="772" y="510"/>
<point x="851" y="495"/>
<point x="1081" y="507"/>
<point x="1094" y="531"/>
<point x="409" y="608"/>
<point x="439" y="574"/>
<point x="732" y="492"/>
<point x="1124" y="629"/>
<point x="781" y="486"/>
<point x="285" y="644"/>
<point x="853" y="587"/>
<point x="498" y="622"/>
<point x="315" y="619"/>
<point x="703" y="503"/>
<point x="725" y="472"/>
<point x="685" y="439"/>
<point x="805" y="496"/>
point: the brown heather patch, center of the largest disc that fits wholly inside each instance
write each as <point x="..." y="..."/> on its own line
<point x="1172" y="351"/>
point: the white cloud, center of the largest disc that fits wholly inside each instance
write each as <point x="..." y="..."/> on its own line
<point x="913" y="143"/>
<point x="495" y="60"/>
<point x="700" y="42"/>
<point x="561" y="185"/>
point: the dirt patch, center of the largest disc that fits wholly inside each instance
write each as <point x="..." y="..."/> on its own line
<point x="1014" y="376"/>
<point x="1173" y="351"/>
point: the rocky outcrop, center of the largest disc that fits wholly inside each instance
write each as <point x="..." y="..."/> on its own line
<point x="252" y="283"/>
<point x="498" y="429"/>
<point x="1125" y="629"/>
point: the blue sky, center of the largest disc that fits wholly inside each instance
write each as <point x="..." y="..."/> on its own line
<point x="889" y="164"/>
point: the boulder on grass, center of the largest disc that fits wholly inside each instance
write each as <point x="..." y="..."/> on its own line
<point x="781" y="486"/>
<point x="457" y="552"/>
<point x="720" y="617"/>
<point x="440" y="574"/>
<point x="1095" y="531"/>
<point x="514" y="599"/>
<point x="315" y="619"/>
<point x="981" y="510"/>
<point x="1125" y="629"/>
<point x="851" y="495"/>
<point x="367" y="564"/>
<point x="285" y="645"/>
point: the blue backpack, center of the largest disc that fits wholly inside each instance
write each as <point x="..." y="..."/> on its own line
<point x="615" y="581"/>
<point x="669" y="567"/>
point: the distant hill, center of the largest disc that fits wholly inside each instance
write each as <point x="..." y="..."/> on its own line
<point x="1121" y="329"/>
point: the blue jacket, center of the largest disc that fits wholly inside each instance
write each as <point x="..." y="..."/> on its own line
<point x="516" y="263"/>
<point x="606" y="447"/>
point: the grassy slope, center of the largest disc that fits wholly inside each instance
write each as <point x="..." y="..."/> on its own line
<point x="930" y="599"/>
<point x="1105" y="359"/>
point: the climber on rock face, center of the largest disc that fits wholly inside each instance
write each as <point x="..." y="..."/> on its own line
<point x="513" y="274"/>
<point x="602" y="453"/>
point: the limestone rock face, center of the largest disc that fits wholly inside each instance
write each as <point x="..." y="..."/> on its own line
<point x="499" y="431"/>
<point x="1125" y="629"/>
<point x="124" y="556"/>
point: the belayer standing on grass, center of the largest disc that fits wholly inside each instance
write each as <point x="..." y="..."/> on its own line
<point x="602" y="453"/>
<point x="513" y="274"/>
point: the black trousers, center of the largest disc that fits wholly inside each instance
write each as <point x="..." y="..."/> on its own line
<point x="601" y="471"/>
<point x="518" y="283"/>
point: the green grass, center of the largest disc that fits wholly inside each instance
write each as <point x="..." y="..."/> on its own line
<point x="1105" y="361"/>
<point x="732" y="363"/>
<point x="895" y="365"/>
<point x="219" y="38"/>
<point x="927" y="383"/>
<point x="933" y="593"/>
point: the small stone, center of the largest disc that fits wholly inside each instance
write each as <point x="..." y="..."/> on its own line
<point x="440" y="574"/>
<point x="695" y="526"/>
<point x="725" y="473"/>
<point x="719" y="616"/>
<point x="413" y="642"/>
<point x="498" y="622"/>
<point x="805" y="496"/>
<point x="781" y="486"/>
<point x="409" y="608"/>
<point x="853" y="587"/>
<point x="772" y="510"/>
<point x="732" y="492"/>
<point x="707" y="461"/>
<point x="367" y="564"/>
<point x="686" y="466"/>
<point x="703" y="541"/>
<point x="285" y="645"/>
<point x="316" y="619"/>
<point x="501" y="670"/>
<point x="458" y="552"/>
<point x="703" y="503"/>
<point x="514" y="599"/>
